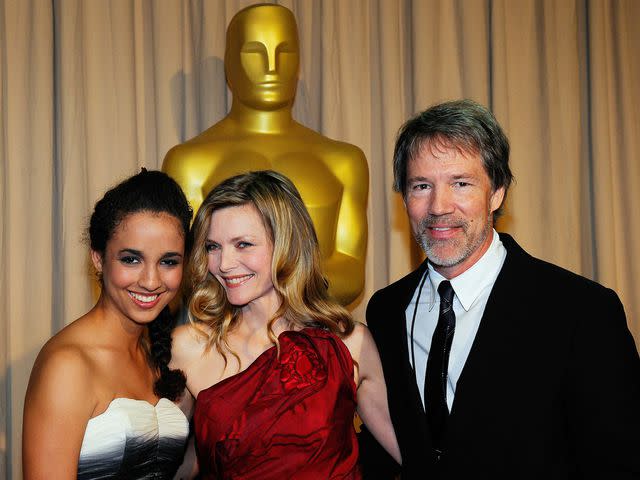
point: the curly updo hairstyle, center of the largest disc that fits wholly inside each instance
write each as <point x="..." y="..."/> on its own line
<point x="154" y="192"/>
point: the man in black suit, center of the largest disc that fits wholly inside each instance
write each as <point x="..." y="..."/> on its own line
<point x="498" y="365"/>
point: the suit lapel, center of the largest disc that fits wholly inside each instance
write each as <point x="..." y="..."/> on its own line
<point x="406" y="292"/>
<point x="491" y="346"/>
<point x="407" y="411"/>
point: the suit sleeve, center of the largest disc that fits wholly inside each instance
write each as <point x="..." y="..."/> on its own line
<point x="604" y="391"/>
<point x="375" y="462"/>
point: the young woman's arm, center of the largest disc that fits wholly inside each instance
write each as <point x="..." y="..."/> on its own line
<point x="58" y="404"/>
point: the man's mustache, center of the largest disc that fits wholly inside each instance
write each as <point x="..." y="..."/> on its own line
<point x="435" y="220"/>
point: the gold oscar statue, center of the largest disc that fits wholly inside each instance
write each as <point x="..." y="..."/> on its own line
<point x="261" y="64"/>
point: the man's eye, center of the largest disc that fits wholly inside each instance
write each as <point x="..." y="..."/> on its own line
<point x="462" y="184"/>
<point x="420" y="186"/>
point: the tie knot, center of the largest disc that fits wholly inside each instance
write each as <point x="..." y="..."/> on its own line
<point x="445" y="290"/>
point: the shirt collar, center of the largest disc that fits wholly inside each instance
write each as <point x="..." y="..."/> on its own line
<point x="469" y="284"/>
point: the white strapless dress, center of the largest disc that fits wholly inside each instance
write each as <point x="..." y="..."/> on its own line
<point x="134" y="439"/>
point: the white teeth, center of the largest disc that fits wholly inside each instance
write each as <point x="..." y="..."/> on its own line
<point x="143" y="298"/>
<point x="236" y="281"/>
<point x="441" y="229"/>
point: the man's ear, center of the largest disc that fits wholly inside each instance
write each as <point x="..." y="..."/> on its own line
<point x="496" y="199"/>
<point x="96" y="258"/>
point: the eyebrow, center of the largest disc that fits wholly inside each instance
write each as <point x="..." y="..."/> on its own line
<point x="172" y="254"/>
<point x="417" y="179"/>
<point x="464" y="175"/>
<point x="458" y="176"/>
<point x="247" y="237"/>
<point x="133" y="251"/>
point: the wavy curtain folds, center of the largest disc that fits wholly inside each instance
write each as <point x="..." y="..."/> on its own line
<point x="91" y="91"/>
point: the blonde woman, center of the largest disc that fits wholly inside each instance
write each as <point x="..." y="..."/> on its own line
<point x="277" y="366"/>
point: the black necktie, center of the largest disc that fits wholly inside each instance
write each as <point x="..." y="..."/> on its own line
<point x="435" y="383"/>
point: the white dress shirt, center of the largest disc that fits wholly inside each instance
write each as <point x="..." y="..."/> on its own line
<point x="472" y="289"/>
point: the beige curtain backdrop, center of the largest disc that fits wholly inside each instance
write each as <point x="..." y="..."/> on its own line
<point x="90" y="91"/>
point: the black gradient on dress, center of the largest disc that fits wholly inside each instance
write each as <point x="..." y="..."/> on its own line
<point x="133" y="439"/>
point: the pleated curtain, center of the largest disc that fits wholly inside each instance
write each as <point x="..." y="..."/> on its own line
<point x="90" y="91"/>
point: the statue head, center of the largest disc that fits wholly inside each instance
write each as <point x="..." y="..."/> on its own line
<point x="262" y="57"/>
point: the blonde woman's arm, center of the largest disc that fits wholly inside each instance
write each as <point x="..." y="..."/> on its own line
<point x="373" y="407"/>
<point x="183" y="355"/>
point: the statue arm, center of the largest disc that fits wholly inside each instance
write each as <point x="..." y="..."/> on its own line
<point x="346" y="266"/>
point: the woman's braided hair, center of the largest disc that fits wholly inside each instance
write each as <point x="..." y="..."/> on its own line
<point x="155" y="192"/>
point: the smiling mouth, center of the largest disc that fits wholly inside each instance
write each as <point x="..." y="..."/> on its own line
<point x="236" y="281"/>
<point x="441" y="232"/>
<point x="144" y="299"/>
<point x="442" y="228"/>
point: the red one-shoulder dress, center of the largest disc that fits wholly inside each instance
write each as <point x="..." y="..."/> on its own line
<point x="287" y="416"/>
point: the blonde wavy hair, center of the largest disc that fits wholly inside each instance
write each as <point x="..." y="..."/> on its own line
<point x="296" y="270"/>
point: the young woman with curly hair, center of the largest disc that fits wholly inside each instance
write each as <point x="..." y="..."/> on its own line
<point x="100" y="401"/>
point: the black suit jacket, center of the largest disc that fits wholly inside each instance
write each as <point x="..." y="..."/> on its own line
<point x="550" y="389"/>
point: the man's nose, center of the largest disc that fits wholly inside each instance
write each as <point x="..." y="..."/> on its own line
<point x="441" y="201"/>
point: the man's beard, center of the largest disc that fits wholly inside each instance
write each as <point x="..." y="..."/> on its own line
<point x="463" y="247"/>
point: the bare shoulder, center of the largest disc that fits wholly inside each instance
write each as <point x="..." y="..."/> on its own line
<point x="359" y="341"/>
<point x="188" y="344"/>
<point x="62" y="373"/>
<point x="61" y="398"/>
<point x="65" y="349"/>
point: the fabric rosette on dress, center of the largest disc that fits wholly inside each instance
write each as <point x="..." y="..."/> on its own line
<point x="284" y="416"/>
